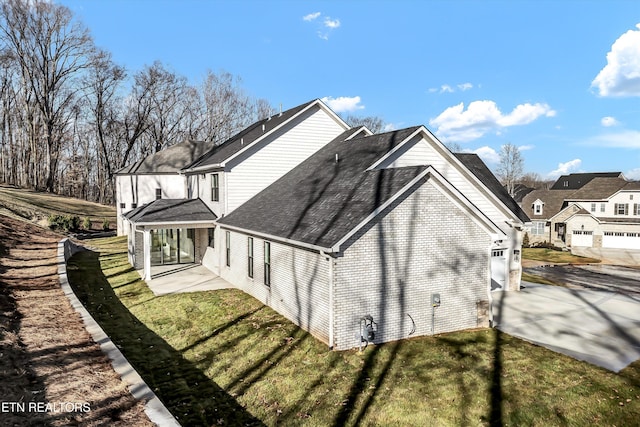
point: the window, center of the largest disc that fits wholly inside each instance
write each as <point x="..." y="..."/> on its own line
<point x="202" y="176"/>
<point x="516" y="255"/>
<point x="636" y="208"/>
<point x="215" y="188"/>
<point x="134" y="205"/>
<point x="267" y="263"/>
<point x="212" y="237"/>
<point x="603" y="207"/>
<point x="537" y="207"/>
<point x="593" y="207"/>
<point x="565" y="183"/>
<point x="583" y="233"/>
<point x="122" y="205"/>
<point x="497" y="253"/>
<point x="228" y="250"/>
<point x="630" y="196"/>
<point x="250" y="257"/>
<point x="537" y="228"/>
<point x="158" y="193"/>
<point x="621" y="209"/>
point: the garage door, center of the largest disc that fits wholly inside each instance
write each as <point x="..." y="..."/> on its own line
<point x="498" y="269"/>
<point x="621" y="240"/>
<point x="582" y="238"/>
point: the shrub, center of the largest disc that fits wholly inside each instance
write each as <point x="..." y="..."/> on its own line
<point x="525" y="240"/>
<point x="105" y="224"/>
<point x="86" y="223"/>
<point x="64" y="222"/>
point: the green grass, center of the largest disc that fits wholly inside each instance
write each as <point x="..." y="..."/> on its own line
<point x="221" y="357"/>
<point x="555" y="257"/>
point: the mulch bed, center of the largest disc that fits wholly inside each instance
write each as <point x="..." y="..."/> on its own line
<point x="52" y="372"/>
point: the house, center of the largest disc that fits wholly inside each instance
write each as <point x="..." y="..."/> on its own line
<point x="168" y="202"/>
<point x="595" y="210"/>
<point x="390" y="228"/>
<point x="392" y="234"/>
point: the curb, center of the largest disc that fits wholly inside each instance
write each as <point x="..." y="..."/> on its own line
<point x="153" y="407"/>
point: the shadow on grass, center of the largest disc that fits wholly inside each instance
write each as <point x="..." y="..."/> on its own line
<point x="191" y="397"/>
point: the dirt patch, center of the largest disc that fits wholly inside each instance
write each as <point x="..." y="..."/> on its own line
<point x="55" y="374"/>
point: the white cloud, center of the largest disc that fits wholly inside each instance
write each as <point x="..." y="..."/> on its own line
<point x="389" y="127"/>
<point x="311" y="16"/>
<point x="343" y="104"/>
<point x="633" y="174"/>
<point x="609" y="121"/>
<point x="486" y="153"/>
<point x="565" y="168"/>
<point x="624" y="139"/>
<point x="525" y="147"/>
<point x="331" y="23"/>
<point x="457" y="124"/>
<point x="621" y="75"/>
<point x="450" y="89"/>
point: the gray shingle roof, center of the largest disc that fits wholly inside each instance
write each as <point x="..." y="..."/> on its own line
<point x="169" y="160"/>
<point x="599" y="189"/>
<point x="553" y="202"/>
<point x="482" y="172"/>
<point x="245" y="137"/>
<point x="322" y="200"/>
<point x="171" y="210"/>
<point x="574" y="181"/>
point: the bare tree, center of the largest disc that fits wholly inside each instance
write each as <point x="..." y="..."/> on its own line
<point x="511" y="167"/>
<point x="373" y="123"/>
<point x="50" y="49"/>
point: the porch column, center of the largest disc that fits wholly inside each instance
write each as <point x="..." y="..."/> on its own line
<point x="146" y="255"/>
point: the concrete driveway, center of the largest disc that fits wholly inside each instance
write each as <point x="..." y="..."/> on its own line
<point x="601" y="327"/>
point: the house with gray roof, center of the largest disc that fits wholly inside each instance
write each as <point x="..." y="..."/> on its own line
<point x="597" y="211"/>
<point x="348" y="234"/>
<point x="391" y="228"/>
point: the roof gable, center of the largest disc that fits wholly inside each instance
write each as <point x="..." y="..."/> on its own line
<point x="254" y="133"/>
<point x="328" y="194"/>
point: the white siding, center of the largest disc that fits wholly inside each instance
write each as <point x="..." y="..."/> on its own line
<point x="253" y="172"/>
<point x="299" y="280"/>
<point x="419" y="151"/>
<point x="141" y="189"/>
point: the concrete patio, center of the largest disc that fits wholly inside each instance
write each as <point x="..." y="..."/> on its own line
<point x="181" y="278"/>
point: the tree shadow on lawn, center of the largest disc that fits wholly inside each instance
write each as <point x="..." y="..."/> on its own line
<point x="190" y="396"/>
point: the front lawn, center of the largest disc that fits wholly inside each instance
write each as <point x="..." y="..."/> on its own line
<point x="555" y="257"/>
<point x="221" y="357"/>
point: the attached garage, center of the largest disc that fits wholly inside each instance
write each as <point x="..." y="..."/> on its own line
<point x="621" y="240"/>
<point x="582" y="238"/>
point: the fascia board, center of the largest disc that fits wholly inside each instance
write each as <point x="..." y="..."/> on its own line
<point x="274" y="238"/>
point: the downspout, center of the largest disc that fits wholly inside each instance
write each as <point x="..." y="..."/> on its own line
<point x="329" y="258"/>
<point x="489" y="293"/>
<point x="226" y="194"/>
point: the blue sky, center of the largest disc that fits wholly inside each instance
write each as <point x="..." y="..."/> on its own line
<point x="559" y="79"/>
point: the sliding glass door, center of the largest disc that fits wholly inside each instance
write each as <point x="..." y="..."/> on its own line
<point x="172" y="246"/>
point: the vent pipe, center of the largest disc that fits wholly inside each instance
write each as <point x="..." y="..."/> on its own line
<point x="241" y="142"/>
<point x="263" y="128"/>
<point x="336" y="157"/>
<point x="280" y="109"/>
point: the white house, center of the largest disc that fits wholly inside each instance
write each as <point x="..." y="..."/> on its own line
<point x="340" y="230"/>
<point x="163" y="229"/>
<point x="392" y="229"/>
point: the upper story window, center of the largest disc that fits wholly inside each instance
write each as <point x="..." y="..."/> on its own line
<point x="603" y="207"/>
<point x="134" y="205"/>
<point x="215" y="187"/>
<point x="636" y="208"/>
<point x="122" y="205"/>
<point x="565" y="184"/>
<point x="538" y="207"/>
<point x="593" y="207"/>
<point x="621" y="209"/>
<point x="158" y="193"/>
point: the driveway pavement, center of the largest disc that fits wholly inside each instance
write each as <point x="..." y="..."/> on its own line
<point x="601" y="327"/>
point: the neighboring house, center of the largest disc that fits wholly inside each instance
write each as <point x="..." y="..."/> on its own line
<point x="602" y="212"/>
<point x="335" y="227"/>
<point x="377" y="225"/>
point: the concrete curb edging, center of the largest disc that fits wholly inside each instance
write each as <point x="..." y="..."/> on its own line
<point x="153" y="407"/>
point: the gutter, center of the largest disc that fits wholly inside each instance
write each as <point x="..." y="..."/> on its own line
<point x="267" y="236"/>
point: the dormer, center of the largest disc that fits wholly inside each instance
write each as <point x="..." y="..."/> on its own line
<point x="537" y="207"/>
